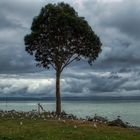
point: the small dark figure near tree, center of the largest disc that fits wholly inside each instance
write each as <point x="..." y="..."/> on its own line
<point x="58" y="37"/>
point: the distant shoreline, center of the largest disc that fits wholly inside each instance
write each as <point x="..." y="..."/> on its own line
<point x="90" y="98"/>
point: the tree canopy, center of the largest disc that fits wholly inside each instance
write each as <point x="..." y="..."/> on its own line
<point x="59" y="36"/>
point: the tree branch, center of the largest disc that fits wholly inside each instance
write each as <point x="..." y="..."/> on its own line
<point x="68" y="62"/>
<point x="52" y="65"/>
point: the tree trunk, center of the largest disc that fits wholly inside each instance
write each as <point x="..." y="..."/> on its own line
<point x="58" y="97"/>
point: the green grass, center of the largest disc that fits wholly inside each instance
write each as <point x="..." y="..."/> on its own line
<point x="10" y="129"/>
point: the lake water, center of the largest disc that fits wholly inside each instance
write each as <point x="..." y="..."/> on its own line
<point x="128" y="110"/>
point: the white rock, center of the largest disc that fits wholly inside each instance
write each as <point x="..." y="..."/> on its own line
<point x="94" y="125"/>
<point x="64" y="121"/>
<point x="21" y="123"/>
<point x="75" y="126"/>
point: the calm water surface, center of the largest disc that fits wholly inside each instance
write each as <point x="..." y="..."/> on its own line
<point x="128" y="110"/>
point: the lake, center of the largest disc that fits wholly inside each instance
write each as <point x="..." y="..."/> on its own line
<point x="129" y="110"/>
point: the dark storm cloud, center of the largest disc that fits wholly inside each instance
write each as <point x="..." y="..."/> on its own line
<point x="117" y="23"/>
<point x="15" y="61"/>
<point x="120" y="14"/>
<point x="5" y="23"/>
<point x="116" y="71"/>
<point x="124" y="16"/>
<point x="15" y="20"/>
<point x="96" y="83"/>
<point x="20" y="11"/>
<point x="106" y="84"/>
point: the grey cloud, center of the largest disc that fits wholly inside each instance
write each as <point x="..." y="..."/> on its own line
<point x="16" y="17"/>
<point x="74" y="85"/>
<point x="96" y="84"/>
<point x="5" y="23"/>
<point x="20" y="11"/>
<point x="116" y="23"/>
<point x="104" y="84"/>
<point x="125" y="17"/>
<point x="17" y="85"/>
<point x="15" y="61"/>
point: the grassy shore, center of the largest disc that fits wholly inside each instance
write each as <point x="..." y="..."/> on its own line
<point x="51" y="129"/>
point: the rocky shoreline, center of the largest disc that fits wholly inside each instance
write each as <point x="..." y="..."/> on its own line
<point x="34" y="115"/>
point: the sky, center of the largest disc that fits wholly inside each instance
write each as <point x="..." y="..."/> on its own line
<point x="116" y="72"/>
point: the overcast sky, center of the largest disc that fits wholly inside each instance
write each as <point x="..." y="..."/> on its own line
<point x="115" y="73"/>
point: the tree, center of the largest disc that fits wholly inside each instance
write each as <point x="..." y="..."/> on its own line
<point x="58" y="37"/>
